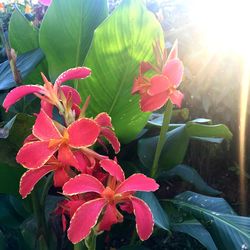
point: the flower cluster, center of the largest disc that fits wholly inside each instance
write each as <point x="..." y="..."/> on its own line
<point x="94" y="186"/>
<point x="156" y="90"/>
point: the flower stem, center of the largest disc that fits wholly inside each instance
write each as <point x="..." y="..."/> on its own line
<point x="162" y="138"/>
<point x="90" y="241"/>
<point x="41" y="222"/>
<point x="46" y="188"/>
<point x="80" y="246"/>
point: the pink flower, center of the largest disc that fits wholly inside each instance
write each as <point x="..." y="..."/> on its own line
<point x="48" y="138"/>
<point x="117" y="192"/>
<point x="49" y="94"/>
<point x="45" y="2"/>
<point x="158" y="89"/>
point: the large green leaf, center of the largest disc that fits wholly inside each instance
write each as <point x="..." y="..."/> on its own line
<point x="228" y="230"/>
<point x="67" y="31"/>
<point x="119" y="45"/>
<point x="190" y="175"/>
<point x="197" y="231"/>
<point x="25" y="64"/>
<point x="23" y="37"/>
<point x="177" y="141"/>
<point x="160" y="217"/>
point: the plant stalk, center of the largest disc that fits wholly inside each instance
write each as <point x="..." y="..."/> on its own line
<point x="41" y="222"/>
<point x="162" y="138"/>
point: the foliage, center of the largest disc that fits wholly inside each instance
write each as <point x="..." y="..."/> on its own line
<point x="111" y="45"/>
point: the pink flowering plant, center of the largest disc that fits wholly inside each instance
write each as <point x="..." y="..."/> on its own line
<point x="88" y="154"/>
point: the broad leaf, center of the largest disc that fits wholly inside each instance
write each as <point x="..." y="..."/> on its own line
<point x="228" y="230"/>
<point x="119" y="45"/>
<point x="190" y="175"/>
<point x="160" y="217"/>
<point x="67" y="31"/>
<point x="25" y="64"/>
<point x="197" y="231"/>
<point x="23" y="37"/>
<point x="177" y="141"/>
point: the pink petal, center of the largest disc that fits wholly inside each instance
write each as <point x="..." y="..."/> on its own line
<point x="84" y="219"/>
<point x="30" y="138"/>
<point x="83" y="162"/>
<point x="176" y="98"/>
<point x="151" y="103"/>
<point x="17" y="93"/>
<point x="138" y="83"/>
<point x="173" y="70"/>
<point x="60" y="177"/>
<point x="33" y="155"/>
<point x="83" y="133"/>
<point x="143" y="217"/>
<point x="145" y="67"/>
<point x="173" y="54"/>
<point x="137" y="182"/>
<point x="47" y="107"/>
<point x="112" y="139"/>
<point x="159" y="84"/>
<point x="109" y="218"/>
<point x="72" y="74"/>
<point x="30" y="179"/>
<point x="44" y="128"/>
<point x="67" y="90"/>
<point x="113" y="169"/>
<point x="45" y="2"/>
<point x="104" y="120"/>
<point x="66" y="156"/>
<point x="82" y="183"/>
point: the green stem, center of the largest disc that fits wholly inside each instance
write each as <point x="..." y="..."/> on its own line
<point x="162" y="138"/>
<point x="46" y="189"/>
<point x="90" y="241"/>
<point x="41" y="222"/>
<point x="80" y="246"/>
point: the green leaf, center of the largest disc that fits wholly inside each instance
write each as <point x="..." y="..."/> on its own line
<point x="159" y="215"/>
<point x="23" y="37"/>
<point x="190" y="175"/>
<point x="25" y="64"/>
<point x="228" y="230"/>
<point x="197" y="231"/>
<point x="67" y="31"/>
<point x="119" y="45"/>
<point x="177" y="141"/>
<point x="17" y="133"/>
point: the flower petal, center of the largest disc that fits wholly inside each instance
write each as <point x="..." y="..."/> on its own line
<point x="33" y="155"/>
<point x="113" y="169"/>
<point x="71" y="74"/>
<point x="137" y="182"/>
<point x="83" y="133"/>
<point x="173" y="54"/>
<point x="44" y="128"/>
<point x="60" y="177"/>
<point x="17" y="93"/>
<point x="151" y="103"/>
<point x="173" y="70"/>
<point x="143" y="217"/>
<point x="66" y="156"/>
<point x="82" y="183"/>
<point x="159" y="84"/>
<point x="176" y="98"/>
<point x="45" y="2"/>
<point x="47" y="107"/>
<point x="84" y="219"/>
<point x="76" y="98"/>
<point x="30" y="179"/>
<point x="104" y="120"/>
<point x="83" y="161"/>
<point x="112" y="139"/>
<point x="109" y="218"/>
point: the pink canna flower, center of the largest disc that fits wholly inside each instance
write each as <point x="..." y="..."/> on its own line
<point x="117" y="192"/>
<point x="49" y="138"/>
<point x="49" y="94"/>
<point x="107" y="132"/>
<point x="157" y="90"/>
<point x="45" y="2"/>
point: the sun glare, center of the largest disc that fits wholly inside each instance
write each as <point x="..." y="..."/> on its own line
<point x="224" y="24"/>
